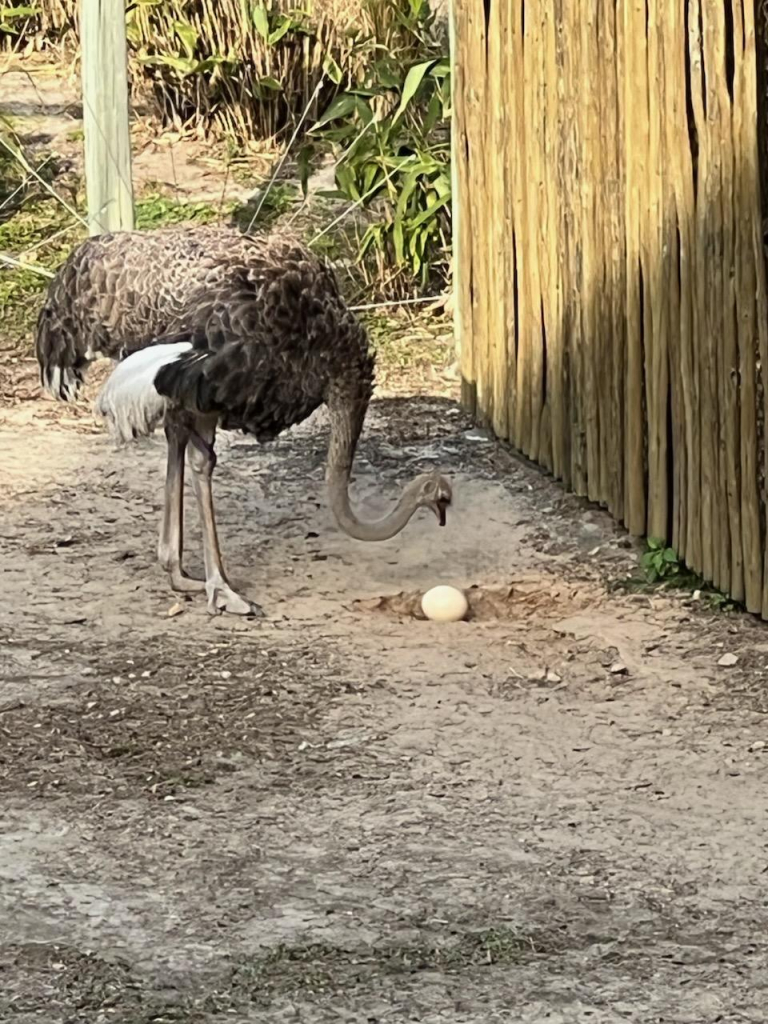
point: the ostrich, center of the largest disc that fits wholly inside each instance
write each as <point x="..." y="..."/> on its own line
<point x="213" y="328"/>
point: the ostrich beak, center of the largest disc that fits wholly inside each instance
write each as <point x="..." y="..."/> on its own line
<point x="441" y="508"/>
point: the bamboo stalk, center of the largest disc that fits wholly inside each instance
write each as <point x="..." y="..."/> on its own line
<point x="476" y="94"/>
<point x="605" y="145"/>
<point x="732" y="565"/>
<point x="712" y="281"/>
<point x="509" y="264"/>
<point x="459" y="268"/>
<point x="552" y="288"/>
<point x="676" y="274"/>
<point x="574" y="78"/>
<point x="542" y="419"/>
<point x="615" y="29"/>
<point x="590" y="284"/>
<point x="636" y="139"/>
<point x="752" y="184"/>
<point x="686" y="218"/>
<point x="522" y="402"/>
<point x="701" y="326"/>
<point x="462" y="208"/>
<point x="496" y="150"/>
<point x="533" y="54"/>
<point x="747" y="187"/>
<point x="655" y="299"/>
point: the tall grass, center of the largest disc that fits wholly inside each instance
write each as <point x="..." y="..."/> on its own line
<point x="241" y="68"/>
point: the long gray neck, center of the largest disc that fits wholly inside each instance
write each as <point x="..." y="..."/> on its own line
<point x="346" y="423"/>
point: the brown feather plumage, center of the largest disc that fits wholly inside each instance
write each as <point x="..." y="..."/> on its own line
<point x="266" y="314"/>
<point x="268" y="338"/>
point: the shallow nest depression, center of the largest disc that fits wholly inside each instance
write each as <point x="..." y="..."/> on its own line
<point x="522" y="599"/>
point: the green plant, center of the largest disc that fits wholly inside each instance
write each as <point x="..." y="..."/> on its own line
<point x="393" y="134"/>
<point x="14" y="19"/>
<point x="662" y="568"/>
<point x="40" y="234"/>
<point x="280" y="199"/>
<point x="660" y="562"/>
<point x="155" y="210"/>
<point x="246" y="69"/>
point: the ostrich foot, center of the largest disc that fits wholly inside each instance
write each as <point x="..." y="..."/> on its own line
<point x="222" y="598"/>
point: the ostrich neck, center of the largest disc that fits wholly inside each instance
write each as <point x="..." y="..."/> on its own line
<point x="346" y="424"/>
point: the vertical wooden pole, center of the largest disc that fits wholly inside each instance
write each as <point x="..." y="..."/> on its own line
<point x="750" y="288"/>
<point x="105" y="116"/>
<point x="635" y="87"/>
<point x="456" y="211"/>
<point x="461" y="206"/>
<point x="656" y="276"/>
<point x="612" y="40"/>
<point x="497" y="129"/>
<point x="475" y="50"/>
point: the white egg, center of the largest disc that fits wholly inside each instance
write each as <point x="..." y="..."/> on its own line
<point x="444" y="604"/>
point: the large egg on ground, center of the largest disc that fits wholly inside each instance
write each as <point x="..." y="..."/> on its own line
<point x="444" y="604"/>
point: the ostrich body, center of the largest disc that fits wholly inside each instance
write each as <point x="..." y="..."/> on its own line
<point x="216" y="329"/>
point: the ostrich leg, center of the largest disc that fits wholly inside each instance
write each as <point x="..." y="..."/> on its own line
<point x="202" y="461"/>
<point x="170" y="548"/>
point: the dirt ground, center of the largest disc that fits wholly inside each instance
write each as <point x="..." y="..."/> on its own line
<point x="555" y="812"/>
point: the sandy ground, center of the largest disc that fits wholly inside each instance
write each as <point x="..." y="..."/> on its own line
<point x="553" y="812"/>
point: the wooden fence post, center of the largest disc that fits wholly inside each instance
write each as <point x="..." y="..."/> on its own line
<point x="108" y="182"/>
<point x="457" y="269"/>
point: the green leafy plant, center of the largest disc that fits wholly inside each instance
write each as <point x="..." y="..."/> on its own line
<point x="155" y="210"/>
<point x="13" y="19"/>
<point x="245" y="69"/>
<point x="662" y="567"/>
<point x="393" y="134"/>
<point x="660" y="562"/>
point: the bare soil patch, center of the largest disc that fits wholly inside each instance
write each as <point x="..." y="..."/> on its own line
<point x="553" y="811"/>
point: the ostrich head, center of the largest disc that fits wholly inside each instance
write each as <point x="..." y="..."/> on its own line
<point x="433" y="491"/>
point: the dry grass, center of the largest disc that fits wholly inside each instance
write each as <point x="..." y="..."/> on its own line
<point x="242" y="70"/>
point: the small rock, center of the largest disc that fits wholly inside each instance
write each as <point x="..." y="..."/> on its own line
<point x="478" y="434"/>
<point x="553" y="677"/>
<point x="617" y="669"/>
<point x="757" y="745"/>
<point x="226" y="674"/>
<point x="175" y="609"/>
<point x="728" y="660"/>
<point x="539" y="676"/>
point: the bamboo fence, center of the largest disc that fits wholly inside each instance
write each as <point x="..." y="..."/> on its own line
<point x="611" y="293"/>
